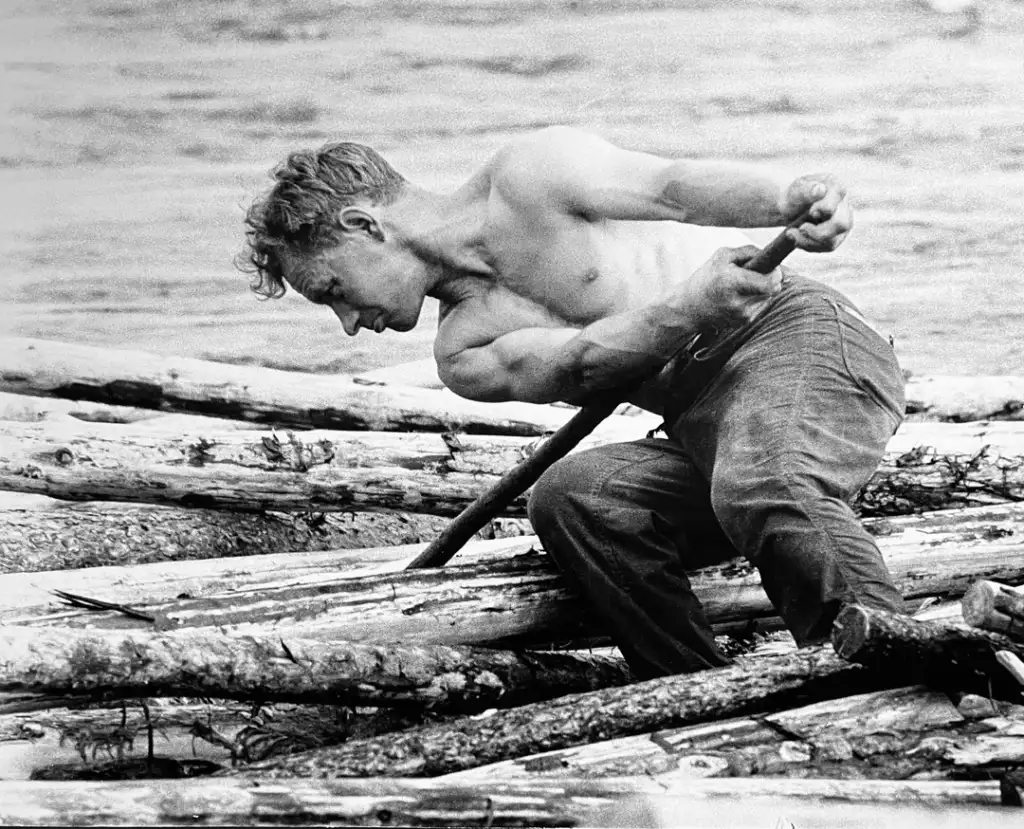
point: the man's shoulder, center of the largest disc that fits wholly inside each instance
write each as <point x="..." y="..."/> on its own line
<point x="540" y="161"/>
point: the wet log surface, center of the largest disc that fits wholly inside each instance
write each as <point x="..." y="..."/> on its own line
<point x="206" y="663"/>
<point x="942" y="655"/>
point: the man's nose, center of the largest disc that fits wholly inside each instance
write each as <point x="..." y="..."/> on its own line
<point x="349" y="318"/>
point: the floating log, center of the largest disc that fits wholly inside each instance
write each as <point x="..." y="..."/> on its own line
<point x="748" y="686"/>
<point x="206" y="663"/>
<point x="995" y="607"/>
<point x="975" y="464"/>
<point x="817" y="733"/>
<point x="508" y="601"/>
<point x="563" y="802"/>
<point x="258" y="395"/>
<point x="961" y="399"/>
<point x="62" y="535"/>
<point x="941" y="655"/>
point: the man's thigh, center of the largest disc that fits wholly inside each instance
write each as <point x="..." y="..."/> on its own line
<point x="651" y="483"/>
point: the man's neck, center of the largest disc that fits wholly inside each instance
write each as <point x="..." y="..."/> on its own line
<point x="447" y="233"/>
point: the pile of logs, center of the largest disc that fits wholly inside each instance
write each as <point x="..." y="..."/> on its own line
<point x="203" y="577"/>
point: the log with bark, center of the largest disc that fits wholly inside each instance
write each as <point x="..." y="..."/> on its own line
<point x="749" y="686"/>
<point x="813" y="738"/>
<point x="564" y="802"/>
<point x="62" y="535"/>
<point x="946" y="656"/>
<point x="927" y="466"/>
<point x="996" y="607"/>
<point x="258" y="395"/>
<point x="509" y="601"/>
<point x="208" y="663"/>
<point x="961" y="399"/>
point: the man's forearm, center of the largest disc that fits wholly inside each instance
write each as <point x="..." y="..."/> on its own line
<point x="627" y="348"/>
<point x="725" y="194"/>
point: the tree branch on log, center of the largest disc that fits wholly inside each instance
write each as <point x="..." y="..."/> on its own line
<point x="941" y="655"/>
<point x="259" y="395"/>
<point x="564" y="802"/>
<point x="747" y="687"/>
<point x="927" y="466"/>
<point x="205" y="663"/>
<point x="995" y="607"/>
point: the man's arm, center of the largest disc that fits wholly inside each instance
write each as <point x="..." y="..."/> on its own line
<point x="541" y="365"/>
<point x="590" y="177"/>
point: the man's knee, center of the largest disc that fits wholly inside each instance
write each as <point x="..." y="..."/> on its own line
<point x="557" y="487"/>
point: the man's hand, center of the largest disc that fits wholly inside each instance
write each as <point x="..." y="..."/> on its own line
<point x="830" y="218"/>
<point x="723" y="294"/>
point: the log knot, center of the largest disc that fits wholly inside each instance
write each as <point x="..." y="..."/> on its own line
<point x="64" y="456"/>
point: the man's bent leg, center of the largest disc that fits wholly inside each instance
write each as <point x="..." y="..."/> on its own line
<point x="792" y="427"/>
<point x="624" y="522"/>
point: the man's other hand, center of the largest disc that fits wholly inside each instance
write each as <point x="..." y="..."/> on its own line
<point x="829" y="217"/>
<point x="723" y="294"/>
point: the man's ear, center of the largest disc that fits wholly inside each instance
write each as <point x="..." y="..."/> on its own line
<point x="359" y="219"/>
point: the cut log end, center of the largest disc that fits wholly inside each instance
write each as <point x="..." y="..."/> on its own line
<point x="851" y="630"/>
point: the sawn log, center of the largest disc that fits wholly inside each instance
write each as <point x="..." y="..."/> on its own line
<point x="995" y="607"/>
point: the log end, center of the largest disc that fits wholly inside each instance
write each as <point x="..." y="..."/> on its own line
<point x="850" y="631"/>
<point x="978" y="602"/>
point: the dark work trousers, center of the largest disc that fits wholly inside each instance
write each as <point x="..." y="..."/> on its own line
<point x="772" y="432"/>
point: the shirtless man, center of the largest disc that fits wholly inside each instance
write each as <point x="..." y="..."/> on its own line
<point x="567" y="266"/>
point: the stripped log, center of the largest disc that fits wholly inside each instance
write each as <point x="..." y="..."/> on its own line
<point x="749" y="686"/>
<point x="519" y="600"/>
<point x="564" y="802"/>
<point x="812" y="738"/>
<point x="974" y="464"/>
<point x="255" y="471"/>
<point x="205" y="663"/>
<point x="961" y="399"/>
<point x="167" y="581"/>
<point x="995" y="607"/>
<point x="258" y="395"/>
<point x="63" y="535"/>
<point x="941" y="655"/>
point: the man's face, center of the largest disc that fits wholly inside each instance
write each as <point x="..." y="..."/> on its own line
<point x="366" y="283"/>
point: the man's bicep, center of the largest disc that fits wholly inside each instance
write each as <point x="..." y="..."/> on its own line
<point x="532" y="364"/>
